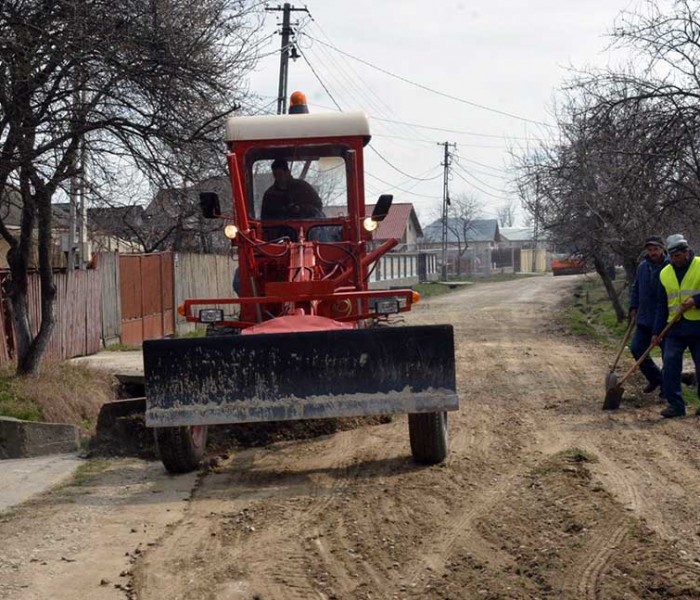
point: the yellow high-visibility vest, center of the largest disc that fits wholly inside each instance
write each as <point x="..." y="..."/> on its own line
<point x="678" y="292"/>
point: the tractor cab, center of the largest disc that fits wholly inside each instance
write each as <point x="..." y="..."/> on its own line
<point x="298" y="218"/>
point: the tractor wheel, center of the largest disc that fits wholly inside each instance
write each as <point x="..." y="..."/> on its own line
<point x="428" y="433"/>
<point x="181" y="448"/>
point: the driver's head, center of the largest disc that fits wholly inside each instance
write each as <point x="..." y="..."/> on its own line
<point x="280" y="171"/>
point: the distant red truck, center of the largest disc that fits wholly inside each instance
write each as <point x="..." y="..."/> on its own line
<point x="568" y="264"/>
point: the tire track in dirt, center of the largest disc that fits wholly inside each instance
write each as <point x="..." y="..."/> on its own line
<point x="525" y="394"/>
<point x="599" y="552"/>
<point x="307" y="479"/>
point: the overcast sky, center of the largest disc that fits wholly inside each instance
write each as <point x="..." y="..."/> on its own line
<point x="507" y="55"/>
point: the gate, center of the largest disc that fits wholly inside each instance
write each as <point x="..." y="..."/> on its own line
<point x="146" y="291"/>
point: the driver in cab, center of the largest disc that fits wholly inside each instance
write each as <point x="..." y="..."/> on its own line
<point x="289" y="198"/>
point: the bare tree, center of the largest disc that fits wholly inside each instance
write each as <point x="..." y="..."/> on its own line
<point x="135" y="83"/>
<point x="627" y="161"/>
<point x="506" y="213"/>
<point x="463" y="210"/>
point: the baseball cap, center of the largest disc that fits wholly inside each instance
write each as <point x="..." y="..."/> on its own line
<point x="676" y="243"/>
<point x="655" y="240"/>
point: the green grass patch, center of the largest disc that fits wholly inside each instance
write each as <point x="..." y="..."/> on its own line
<point x="691" y="397"/>
<point x="119" y="347"/>
<point x="14" y="404"/>
<point x="88" y="470"/>
<point x="592" y="315"/>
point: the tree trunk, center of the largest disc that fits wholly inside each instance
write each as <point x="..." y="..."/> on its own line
<point x="30" y="349"/>
<point x="602" y="271"/>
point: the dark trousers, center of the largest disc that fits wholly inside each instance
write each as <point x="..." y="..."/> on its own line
<point x="640" y="342"/>
<point x="674" y="348"/>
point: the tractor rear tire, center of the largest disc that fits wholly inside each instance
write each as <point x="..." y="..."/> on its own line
<point x="429" y="439"/>
<point x="181" y="448"/>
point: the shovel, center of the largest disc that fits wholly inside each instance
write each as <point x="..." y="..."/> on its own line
<point x="611" y="378"/>
<point x="614" y="389"/>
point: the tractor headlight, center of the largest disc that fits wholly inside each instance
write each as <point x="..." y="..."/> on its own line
<point x="211" y="315"/>
<point x="370" y="224"/>
<point x="385" y="306"/>
<point x="230" y="231"/>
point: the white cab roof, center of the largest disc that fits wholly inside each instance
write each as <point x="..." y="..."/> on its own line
<point x="280" y="127"/>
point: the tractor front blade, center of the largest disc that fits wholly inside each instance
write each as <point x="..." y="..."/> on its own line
<point x="304" y="375"/>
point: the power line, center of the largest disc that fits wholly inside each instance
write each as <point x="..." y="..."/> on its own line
<point x="457" y="131"/>
<point x="470" y="174"/>
<point x="395" y="167"/>
<point x="318" y="77"/>
<point x="395" y="187"/>
<point x="478" y="188"/>
<point x="355" y="78"/>
<point x="428" y="89"/>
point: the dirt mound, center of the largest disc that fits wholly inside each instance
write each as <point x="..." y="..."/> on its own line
<point x="121" y="431"/>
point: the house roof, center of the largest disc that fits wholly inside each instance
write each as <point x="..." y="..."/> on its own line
<point x="517" y="234"/>
<point x="394" y="224"/>
<point x="480" y="230"/>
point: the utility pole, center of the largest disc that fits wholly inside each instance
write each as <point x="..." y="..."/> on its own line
<point x="535" y="225"/>
<point x="286" y="51"/>
<point x="446" y="163"/>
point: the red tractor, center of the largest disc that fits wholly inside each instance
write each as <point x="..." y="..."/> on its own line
<point x="299" y="340"/>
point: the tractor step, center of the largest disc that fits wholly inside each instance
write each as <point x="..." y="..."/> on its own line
<point x="303" y="375"/>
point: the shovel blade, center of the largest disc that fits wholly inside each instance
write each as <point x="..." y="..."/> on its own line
<point x="610" y="381"/>
<point x="613" y="397"/>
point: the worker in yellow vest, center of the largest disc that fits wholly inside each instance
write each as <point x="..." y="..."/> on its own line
<point x="679" y="291"/>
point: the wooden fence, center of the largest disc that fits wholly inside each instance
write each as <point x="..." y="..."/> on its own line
<point x="142" y="292"/>
<point x="78" y="324"/>
<point x="108" y="267"/>
<point x="201" y="276"/>
<point x="130" y="298"/>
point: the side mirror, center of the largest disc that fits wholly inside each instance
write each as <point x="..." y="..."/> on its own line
<point x="381" y="208"/>
<point x="209" y="203"/>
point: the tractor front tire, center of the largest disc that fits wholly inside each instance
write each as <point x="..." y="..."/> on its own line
<point x="181" y="448"/>
<point x="428" y="434"/>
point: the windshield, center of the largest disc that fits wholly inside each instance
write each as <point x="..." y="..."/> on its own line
<point x="297" y="183"/>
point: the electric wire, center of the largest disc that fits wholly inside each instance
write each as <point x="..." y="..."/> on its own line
<point x="379" y="105"/>
<point x="472" y="184"/>
<point x="470" y="174"/>
<point x="370" y="146"/>
<point x="458" y="131"/>
<point x="428" y="89"/>
<point x="393" y="187"/>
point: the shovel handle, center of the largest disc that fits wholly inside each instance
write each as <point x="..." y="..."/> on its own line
<point x="660" y="337"/>
<point x="624" y="343"/>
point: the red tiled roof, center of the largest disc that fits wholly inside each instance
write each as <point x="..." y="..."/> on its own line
<point x="394" y="224"/>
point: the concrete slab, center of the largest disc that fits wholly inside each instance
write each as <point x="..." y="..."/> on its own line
<point x="129" y="363"/>
<point x="23" y="478"/>
<point x="24" y="439"/>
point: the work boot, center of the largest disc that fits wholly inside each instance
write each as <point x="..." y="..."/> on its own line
<point x="671" y="413"/>
<point x="688" y="378"/>
<point x="651" y="386"/>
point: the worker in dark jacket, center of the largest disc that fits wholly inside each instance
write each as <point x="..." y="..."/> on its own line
<point x="679" y="292"/>
<point x="288" y="197"/>
<point x="644" y="299"/>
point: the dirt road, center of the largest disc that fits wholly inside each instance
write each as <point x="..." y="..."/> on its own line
<point x="544" y="495"/>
